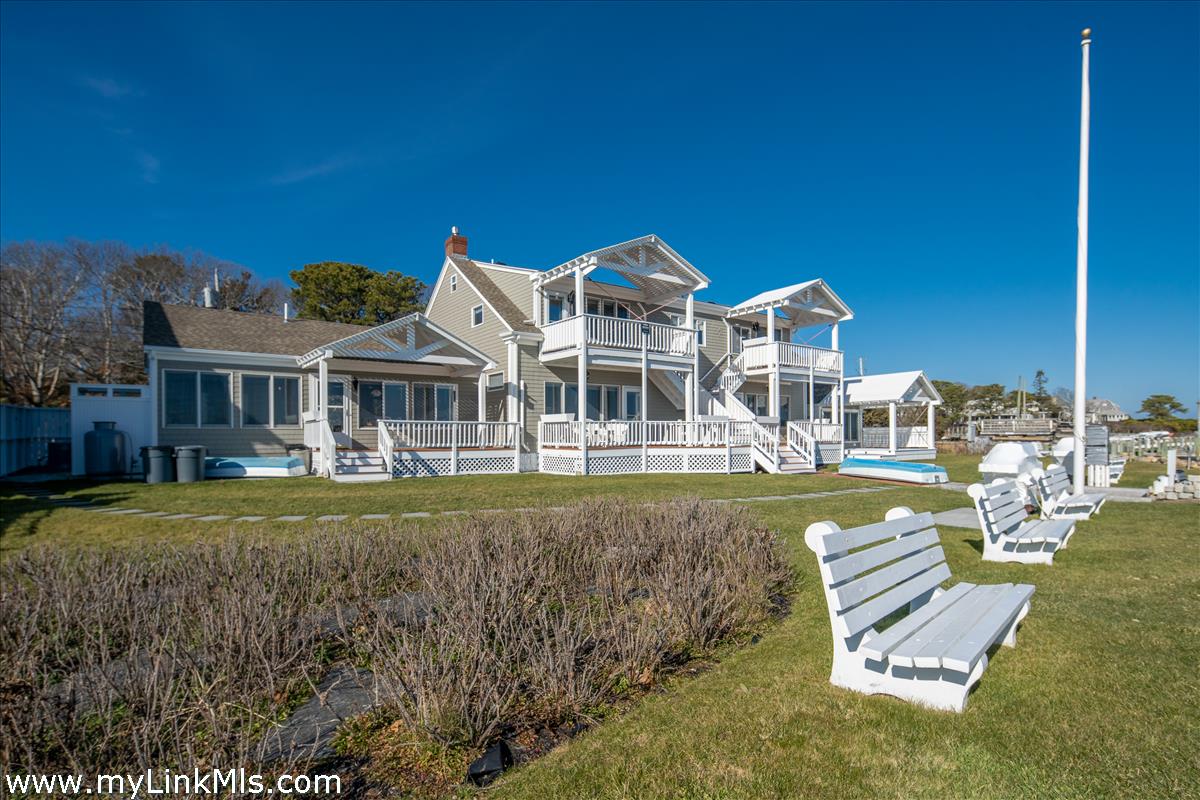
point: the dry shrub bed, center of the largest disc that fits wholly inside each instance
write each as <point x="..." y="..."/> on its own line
<point x="187" y="656"/>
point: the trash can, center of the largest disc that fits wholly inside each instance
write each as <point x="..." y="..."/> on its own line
<point x="189" y="463"/>
<point x="157" y="464"/>
<point x="302" y="452"/>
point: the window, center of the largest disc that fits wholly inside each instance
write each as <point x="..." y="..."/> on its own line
<point x="603" y="402"/>
<point x="192" y="398"/>
<point x="571" y="398"/>
<point x="256" y="401"/>
<point x="675" y="319"/>
<point x="435" y="401"/>
<point x="454" y="283"/>
<point x="285" y="395"/>
<point x="180" y="398"/>
<point x="381" y="400"/>
<point x="126" y="392"/>
<point x="606" y="308"/>
<point x="554" y="400"/>
<point x="495" y="380"/>
<point x="701" y="332"/>
<point x="556" y="306"/>
<point x="633" y="403"/>
<point x="476" y="316"/>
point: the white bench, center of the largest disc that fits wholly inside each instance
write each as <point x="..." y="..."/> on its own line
<point x="1052" y="488"/>
<point x="936" y="652"/>
<point x="1007" y="533"/>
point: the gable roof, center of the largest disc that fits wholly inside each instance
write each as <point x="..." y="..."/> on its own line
<point x="411" y="339"/>
<point x="798" y="303"/>
<point x="503" y="305"/>
<point x="892" y="387"/>
<point x="198" y="328"/>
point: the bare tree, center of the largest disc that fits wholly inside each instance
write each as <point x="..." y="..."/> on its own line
<point x="244" y="292"/>
<point x="41" y="285"/>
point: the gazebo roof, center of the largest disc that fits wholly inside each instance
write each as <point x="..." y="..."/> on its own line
<point x="411" y="339"/>
<point x="891" y="387"/>
<point x="647" y="262"/>
<point x="808" y="303"/>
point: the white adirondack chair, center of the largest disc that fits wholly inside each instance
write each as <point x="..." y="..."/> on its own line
<point x="1052" y="488"/>
<point x="938" y="651"/>
<point x="1007" y="534"/>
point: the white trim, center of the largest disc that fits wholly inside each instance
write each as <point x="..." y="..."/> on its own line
<point x="387" y="413"/>
<point x="454" y="281"/>
<point x="224" y="357"/>
<point x="413" y="401"/>
<point x="479" y="309"/>
<point x="271" y="376"/>
<point x="199" y="400"/>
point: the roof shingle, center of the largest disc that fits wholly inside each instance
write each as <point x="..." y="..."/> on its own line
<point x="236" y="331"/>
<point x="505" y="307"/>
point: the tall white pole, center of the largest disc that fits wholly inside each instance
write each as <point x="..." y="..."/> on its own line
<point x="1080" y="412"/>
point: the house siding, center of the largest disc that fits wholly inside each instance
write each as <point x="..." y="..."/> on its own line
<point x="452" y="311"/>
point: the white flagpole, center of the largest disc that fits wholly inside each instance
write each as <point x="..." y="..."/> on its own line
<point x="1081" y="266"/>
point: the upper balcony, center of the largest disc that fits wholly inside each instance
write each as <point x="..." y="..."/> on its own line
<point x="621" y="337"/>
<point x="759" y="356"/>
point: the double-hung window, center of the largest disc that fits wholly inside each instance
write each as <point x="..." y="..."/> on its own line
<point x="554" y="397"/>
<point x="476" y="316"/>
<point x="270" y="401"/>
<point x="701" y="332"/>
<point x="435" y="401"/>
<point x="381" y="400"/>
<point x="192" y="399"/>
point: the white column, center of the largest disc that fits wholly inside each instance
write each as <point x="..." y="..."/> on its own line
<point x="1081" y="267"/>
<point x="155" y="402"/>
<point x="892" y="428"/>
<point x="643" y="400"/>
<point x="690" y="380"/>
<point x="930" y="419"/>
<point x="812" y="396"/>
<point x="482" y="395"/>
<point x="581" y="366"/>
<point x="322" y="388"/>
<point x="512" y="411"/>
<point x="834" y="337"/>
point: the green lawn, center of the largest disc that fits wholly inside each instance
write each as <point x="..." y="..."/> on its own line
<point x="1099" y="698"/>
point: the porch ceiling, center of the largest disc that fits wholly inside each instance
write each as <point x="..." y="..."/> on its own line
<point x="647" y="262"/>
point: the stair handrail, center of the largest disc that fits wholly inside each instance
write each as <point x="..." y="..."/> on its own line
<point x="328" y="448"/>
<point x="715" y="367"/>
<point x="765" y="441"/>
<point x="385" y="444"/>
<point x="802" y="442"/>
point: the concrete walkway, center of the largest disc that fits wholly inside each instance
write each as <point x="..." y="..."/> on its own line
<point x="69" y="502"/>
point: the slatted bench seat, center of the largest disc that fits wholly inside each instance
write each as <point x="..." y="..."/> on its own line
<point x="936" y="652"/>
<point x="1007" y="533"/>
<point x="1052" y="489"/>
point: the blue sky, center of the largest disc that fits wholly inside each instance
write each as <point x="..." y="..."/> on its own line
<point x="922" y="158"/>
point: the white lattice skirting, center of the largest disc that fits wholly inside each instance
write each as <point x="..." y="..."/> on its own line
<point x="417" y="465"/>
<point x="624" y="462"/>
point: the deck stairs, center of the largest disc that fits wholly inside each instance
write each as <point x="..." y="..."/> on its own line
<point x="360" y="466"/>
<point x="771" y="452"/>
<point x="672" y="385"/>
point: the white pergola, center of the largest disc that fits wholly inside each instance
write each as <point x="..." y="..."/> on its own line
<point x="893" y="390"/>
<point x="803" y="305"/>
<point x="412" y="341"/>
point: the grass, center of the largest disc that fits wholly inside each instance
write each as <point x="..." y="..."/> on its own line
<point x="1099" y="698"/>
<point x="25" y="521"/>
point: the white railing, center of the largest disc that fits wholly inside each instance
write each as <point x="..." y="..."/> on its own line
<point x="385" y="446"/>
<point x="328" y="448"/>
<point x="802" y="442"/>
<point x="827" y="432"/>
<point x="1016" y="427"/>
<point x="764" y="436"/>
<point x="427" y="435"/>
<point x="794" y="356"/>
<point x="617" y="334"/>
<point x="906" y="437"/>
<point x="651" y="433"/>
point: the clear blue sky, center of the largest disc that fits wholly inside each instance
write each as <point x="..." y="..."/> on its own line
<point x="922" y="158"/>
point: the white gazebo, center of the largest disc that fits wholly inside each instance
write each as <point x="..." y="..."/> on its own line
<point x="893" y="391"/>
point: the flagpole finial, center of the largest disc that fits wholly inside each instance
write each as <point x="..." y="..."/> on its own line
<point x="1087" y="34"/>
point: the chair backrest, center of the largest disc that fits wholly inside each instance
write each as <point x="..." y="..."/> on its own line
<point x="1000" y="505"/>
<point x="870" y="572"/>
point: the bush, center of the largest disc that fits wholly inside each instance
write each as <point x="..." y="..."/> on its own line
<point x="186" y="656"/>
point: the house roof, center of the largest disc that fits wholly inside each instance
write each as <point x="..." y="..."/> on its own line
<point x="1098" y="405"/>
<point x="892" y="387"/>
<point x="647" y="262"/>
<point x="194" y="327"/>
<point x="501" y="303"/>
<point x="808" y="303"/>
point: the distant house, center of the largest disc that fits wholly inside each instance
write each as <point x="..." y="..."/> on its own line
<point x="1103" y="412"/>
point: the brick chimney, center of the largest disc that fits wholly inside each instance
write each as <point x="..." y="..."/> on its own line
<point x="456" y="245"/>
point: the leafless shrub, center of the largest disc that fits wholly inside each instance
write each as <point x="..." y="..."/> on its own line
<point x="538" y="617"/>
<point x="187" y="656"/>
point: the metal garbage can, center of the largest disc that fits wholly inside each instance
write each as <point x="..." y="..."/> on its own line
<point x="302" y="452"/>
<point x="158" y="465"/>
<point x="189" y="463"/>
